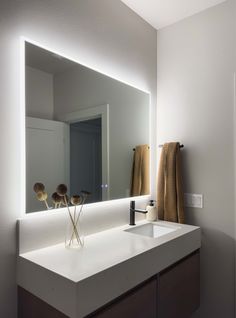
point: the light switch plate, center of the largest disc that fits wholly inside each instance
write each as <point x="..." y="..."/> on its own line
<point x="193" y="200"/>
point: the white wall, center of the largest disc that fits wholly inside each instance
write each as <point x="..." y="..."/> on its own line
<point x="39" y="93"/>
<point x="103" y="34"/>
<point x="79" y="88"/>
<point x="195" y="106"/>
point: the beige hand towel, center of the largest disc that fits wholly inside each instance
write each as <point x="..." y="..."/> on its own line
<point x="140" y="182"/>
<point x="170" y="198"/>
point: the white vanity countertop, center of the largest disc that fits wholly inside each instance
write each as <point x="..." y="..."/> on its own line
<point x="71" y="279"/>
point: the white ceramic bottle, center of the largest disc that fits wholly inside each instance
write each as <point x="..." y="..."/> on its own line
<point x="152" y="211"/>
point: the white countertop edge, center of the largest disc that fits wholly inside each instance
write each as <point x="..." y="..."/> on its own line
<point x="137" y="244"/>
<point x="78" y="297"/>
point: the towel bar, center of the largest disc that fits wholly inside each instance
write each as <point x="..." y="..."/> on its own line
<point x="180" y="146"/>
<point x="160" y="146"/>
<point x="134" y="148"/>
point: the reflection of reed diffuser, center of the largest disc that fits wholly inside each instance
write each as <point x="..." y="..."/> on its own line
<point x="74" y="237"/>
<point x="41" y="195"/>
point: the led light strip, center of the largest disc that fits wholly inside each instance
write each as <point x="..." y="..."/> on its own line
<point x="23" y="213"/>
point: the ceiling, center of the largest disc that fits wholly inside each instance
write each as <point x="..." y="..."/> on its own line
<point x="161" y="13"/>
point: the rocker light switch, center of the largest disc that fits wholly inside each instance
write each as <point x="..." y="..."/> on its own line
<point x="192" y="200"/>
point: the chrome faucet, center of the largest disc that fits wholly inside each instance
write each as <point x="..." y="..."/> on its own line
<point x="132" y="211"/>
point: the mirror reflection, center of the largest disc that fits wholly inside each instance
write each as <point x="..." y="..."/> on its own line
<point x="82" y="128"/>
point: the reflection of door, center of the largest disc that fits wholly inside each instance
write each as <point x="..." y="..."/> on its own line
<point x="46" y="158"/>
<point x="85" y="114"/>
<point x="86" y="158"/>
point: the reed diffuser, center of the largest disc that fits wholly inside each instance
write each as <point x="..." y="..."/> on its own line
<point x="74" y="237"/>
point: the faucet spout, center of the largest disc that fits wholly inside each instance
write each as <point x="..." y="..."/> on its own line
<point x="132" y="211"/>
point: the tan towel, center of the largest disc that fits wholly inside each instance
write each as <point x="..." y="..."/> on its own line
<point x="140" y="182"/>
<point x="170" y="198"/>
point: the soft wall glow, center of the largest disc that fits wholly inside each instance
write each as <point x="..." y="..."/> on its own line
<point x="22" y="130"/>
<point x="23" y="135"/>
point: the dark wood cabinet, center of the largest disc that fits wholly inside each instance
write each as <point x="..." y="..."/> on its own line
<point x="30" y="306"/>
<point x="138" y="303"/>
<point x="179" y="288"/>
<point x="172" y="293"/>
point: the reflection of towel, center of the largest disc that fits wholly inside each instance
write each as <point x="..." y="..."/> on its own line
<point x="170" y="202"/>
<point x="140" y="183"/>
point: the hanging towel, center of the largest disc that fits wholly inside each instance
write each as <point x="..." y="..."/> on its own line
<point x="170" y="198"/>
<point x="140" y="182"/>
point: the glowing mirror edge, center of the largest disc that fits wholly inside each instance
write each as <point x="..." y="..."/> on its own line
<point x="23" y="213"/>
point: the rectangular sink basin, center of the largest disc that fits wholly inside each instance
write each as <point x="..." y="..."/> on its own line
<point x="151" y="230"/>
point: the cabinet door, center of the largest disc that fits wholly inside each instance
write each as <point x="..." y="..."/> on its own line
<point x="138" y="303"/>
<point x="179" y="289"/>
<point x="30" y="306"/>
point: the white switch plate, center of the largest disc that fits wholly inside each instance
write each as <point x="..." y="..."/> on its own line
<point x="192" y="200"/>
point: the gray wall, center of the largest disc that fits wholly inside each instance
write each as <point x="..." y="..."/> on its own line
<point x="104" y="34"/>
<point x="195" y="106"/>
<point x="79" y="88"/>
<point x="39" y="93"/>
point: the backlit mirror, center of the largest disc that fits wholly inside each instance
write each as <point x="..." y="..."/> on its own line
<point x="81" y="130"/>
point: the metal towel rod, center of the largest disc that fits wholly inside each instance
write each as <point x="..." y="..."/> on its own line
<point x="134" y="148"/>
<point x="160" y="146"/>
<point x="180" y="146"/>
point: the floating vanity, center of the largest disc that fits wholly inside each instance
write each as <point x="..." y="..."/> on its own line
<point x="148" y="270"/>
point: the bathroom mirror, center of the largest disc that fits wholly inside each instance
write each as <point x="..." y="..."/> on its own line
<point x="81" y="128"/>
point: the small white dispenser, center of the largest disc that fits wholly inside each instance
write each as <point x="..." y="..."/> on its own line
<point x="152" y="211"/>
